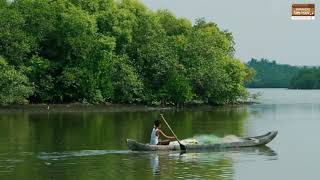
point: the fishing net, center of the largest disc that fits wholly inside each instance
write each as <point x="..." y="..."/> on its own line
<point x="208" y="139"/>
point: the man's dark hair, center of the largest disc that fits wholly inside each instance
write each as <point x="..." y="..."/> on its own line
<point x="157" y="123"/>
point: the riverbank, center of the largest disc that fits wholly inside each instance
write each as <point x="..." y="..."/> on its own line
<point x="77" y="107"/>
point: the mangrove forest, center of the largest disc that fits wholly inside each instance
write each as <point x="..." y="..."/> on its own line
<point x="110" y="51"/>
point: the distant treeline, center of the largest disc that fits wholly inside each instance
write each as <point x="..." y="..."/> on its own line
<point x="118" y="51"/>
<point x="269" y="74"/>
<point x="306" y="78"/>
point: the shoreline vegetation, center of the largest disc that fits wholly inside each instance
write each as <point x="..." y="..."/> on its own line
<point x="80" y="107"/>
<point x="117" y="52"/>
<point x="270" y="74"/>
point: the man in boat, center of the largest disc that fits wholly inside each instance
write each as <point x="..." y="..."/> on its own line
<point x="156" y="133"/>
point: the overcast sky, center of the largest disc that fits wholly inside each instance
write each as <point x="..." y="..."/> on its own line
<point x="262" y="28"/>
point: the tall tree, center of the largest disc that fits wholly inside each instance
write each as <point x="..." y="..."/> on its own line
<point x="14" y="86"/>
<point x="101" y="51"/>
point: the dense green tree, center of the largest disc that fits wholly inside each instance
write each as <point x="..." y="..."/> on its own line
<point x="14" y="86"/>
<point x="269" y="74"/>
<point x="39" y="71"/>
<point x="306" y="78"/>
<point x="99" y="51"/>
<point x="3" y="3"/>
<point x="15" y="43"/>
<point x="40" y="17"/>
<point x="172" y="25"/>
<point x="177" y="89"/>
<point x="118" y="23"/>
<point x="206" y="55"/>
<point x="126" y="83"/>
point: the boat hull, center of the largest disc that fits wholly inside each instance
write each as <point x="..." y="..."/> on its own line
<point x="245" y="142"/>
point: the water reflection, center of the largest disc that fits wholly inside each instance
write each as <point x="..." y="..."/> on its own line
<point x="214" y="164"/>
<point x="154" y="162"/>
<point x="61" y="131"/>
<point x="161" y="165"/>
<point x="91" y="145"/>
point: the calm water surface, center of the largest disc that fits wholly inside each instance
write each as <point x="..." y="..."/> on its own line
<point x="91" y="145"/>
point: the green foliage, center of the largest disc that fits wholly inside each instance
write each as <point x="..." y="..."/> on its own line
<point x="126" y="84"/>
<point x="215" y="75"/>
<point x="237" y="74"/>
<point x="14" y="86"/>
<point x="101" y="51"/>
<point x="40" y="17"/>
<point x="3" y="3"/>
<point x="177" y="89"/>
<point x="306" y="78"/>
<point x="80" y="85"/>
<point x="39" y="71"/>
<point x="15" y="43"/>
<point x="269" y="74"/>
<point x="172" y="25"/>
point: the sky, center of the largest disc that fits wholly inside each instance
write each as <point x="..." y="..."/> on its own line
<point x="261" y="28"/>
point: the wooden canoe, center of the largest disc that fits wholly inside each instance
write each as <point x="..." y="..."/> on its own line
<point x="244" y="142"/>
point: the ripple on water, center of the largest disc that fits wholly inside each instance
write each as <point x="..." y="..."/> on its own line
<point x="82" y="153"/>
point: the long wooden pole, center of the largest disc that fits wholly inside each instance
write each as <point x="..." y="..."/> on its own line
<point x="182" y="147"/>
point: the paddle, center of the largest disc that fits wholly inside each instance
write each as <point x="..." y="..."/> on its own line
<point x="182" y="147"/>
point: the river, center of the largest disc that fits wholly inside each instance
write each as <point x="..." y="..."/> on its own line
<point x="92" y="144"/>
